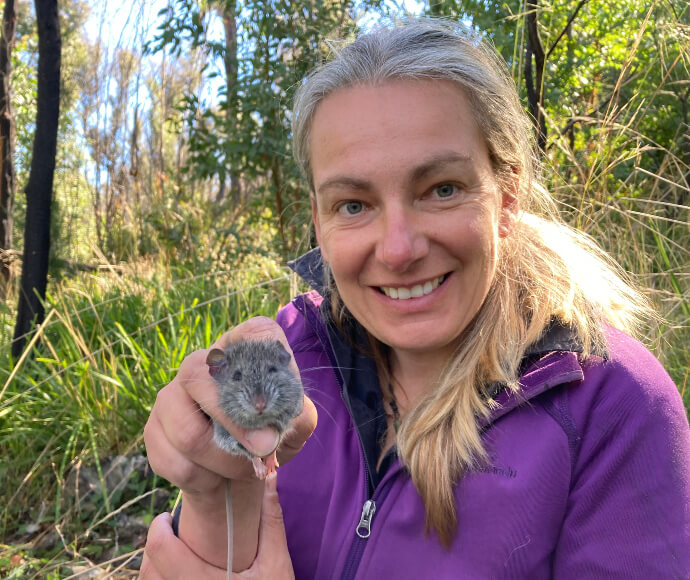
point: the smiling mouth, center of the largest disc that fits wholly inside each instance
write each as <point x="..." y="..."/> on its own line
<point x="416" y="291"/>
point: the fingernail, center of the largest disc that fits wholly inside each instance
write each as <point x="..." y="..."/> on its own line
<point x="262" y="442"/>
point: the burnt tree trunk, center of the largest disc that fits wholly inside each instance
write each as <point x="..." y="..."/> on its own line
<point x="7" y="175"/>
<point x="534" y="78"/>
<point x="39" y="190"/>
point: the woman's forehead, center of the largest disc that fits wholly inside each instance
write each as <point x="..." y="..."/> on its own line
<point x="420" y="124"/>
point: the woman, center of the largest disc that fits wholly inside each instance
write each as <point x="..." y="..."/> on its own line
<point x="483" y="411"/>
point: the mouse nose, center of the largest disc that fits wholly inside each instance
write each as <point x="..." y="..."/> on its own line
<point x="259" y="402"/>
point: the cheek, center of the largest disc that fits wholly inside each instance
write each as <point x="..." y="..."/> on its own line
<point x="483" y="233"/>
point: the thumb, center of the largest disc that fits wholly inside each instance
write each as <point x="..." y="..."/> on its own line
<point x="272" y="552"/>
<point x="272" y="529"/>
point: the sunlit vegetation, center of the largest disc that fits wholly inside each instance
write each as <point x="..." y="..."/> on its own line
<point x="177" y="204"/>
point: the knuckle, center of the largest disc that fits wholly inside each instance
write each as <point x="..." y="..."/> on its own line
<point x="192" y="437"/>
<point x="155" y="546"/>
<point x="186" y="474"/>
<point x="164" y="397"/>
<point x="259" y="326"/>
<point x="155" y="466"/>
<point x="192" y="360"/>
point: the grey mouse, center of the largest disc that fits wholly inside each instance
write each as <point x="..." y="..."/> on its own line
<point x="256" y="389"/>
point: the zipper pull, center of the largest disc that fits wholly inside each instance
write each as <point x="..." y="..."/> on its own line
<point x="364" y="527"/>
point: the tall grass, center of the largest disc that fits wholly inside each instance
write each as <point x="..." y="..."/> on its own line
<point x="623" y="174"/>
<point x="110" y="342"/>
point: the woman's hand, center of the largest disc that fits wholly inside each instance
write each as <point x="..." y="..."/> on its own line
<point x="180" y="448"/>
<point x="167" y="557"/>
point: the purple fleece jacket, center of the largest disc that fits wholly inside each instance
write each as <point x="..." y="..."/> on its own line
<point x="589" y="476"/>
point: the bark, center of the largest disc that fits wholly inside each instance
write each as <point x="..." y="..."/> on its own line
<point x="534" y="80"/>
<point x="39" y="190"/>
<point x="229" y="14"/>
<point x="7" y="175"/>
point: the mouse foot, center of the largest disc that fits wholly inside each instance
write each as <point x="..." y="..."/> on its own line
<point x="271" y="463"/>
<point x="260" y="468"/>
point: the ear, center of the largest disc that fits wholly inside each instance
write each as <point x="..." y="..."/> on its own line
<point x="283" y="355"/>
<point x="317" y="227"/>
<point x="216" y="361"/>
<point x="509" y="205"/>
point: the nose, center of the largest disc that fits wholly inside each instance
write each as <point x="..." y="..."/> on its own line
<point x="259" y="402"/>
<point x="402" y="239"/>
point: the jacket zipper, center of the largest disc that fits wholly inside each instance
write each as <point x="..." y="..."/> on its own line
<point x="363" y="528"/>
<point x="356" y="550"/>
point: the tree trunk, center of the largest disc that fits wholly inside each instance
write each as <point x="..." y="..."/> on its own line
<point x="229" y="13"/>
<point x="39" y="190"/>
<point x="535" y="83"/>
<point x="7" y="176"/>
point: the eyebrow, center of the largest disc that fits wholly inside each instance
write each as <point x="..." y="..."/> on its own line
<point x="345" y="182"/>
<point x="433" y="164"/>
<point x="438" y="162"/>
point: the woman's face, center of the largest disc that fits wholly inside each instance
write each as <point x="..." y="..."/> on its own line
<point x="408" y="213"/>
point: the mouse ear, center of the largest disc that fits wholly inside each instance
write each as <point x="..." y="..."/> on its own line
<point x="216" y="360"/>
<point x="283" y="355"/>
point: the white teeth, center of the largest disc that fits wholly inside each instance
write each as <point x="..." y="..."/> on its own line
<point x="416" y="291"/>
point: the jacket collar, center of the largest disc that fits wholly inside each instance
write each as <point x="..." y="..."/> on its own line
<point x="309" y="267"/>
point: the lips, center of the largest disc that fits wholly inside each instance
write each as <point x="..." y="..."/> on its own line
<point x="416" y="291"/>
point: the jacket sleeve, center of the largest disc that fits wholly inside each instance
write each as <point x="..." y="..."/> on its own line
<point x="628" y="512"/>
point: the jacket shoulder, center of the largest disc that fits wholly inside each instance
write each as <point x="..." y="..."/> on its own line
<point x="630" y="374"/>
<point x="294" y="319"/>
<point x="630" y="485"/>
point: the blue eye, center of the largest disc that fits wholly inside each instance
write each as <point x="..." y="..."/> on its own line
<point x="445" y="190"/>
<point x="351" y="207"/>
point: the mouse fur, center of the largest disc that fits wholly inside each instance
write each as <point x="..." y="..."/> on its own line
<point x="256" y="389"/>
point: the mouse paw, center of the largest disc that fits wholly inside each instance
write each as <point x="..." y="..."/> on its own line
<point x="260" y="468"/>
<point x="271" y="464"/>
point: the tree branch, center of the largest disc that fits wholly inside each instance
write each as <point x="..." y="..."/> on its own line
<point x="580" y="4"/>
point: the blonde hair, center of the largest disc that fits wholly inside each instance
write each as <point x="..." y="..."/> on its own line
<point x="546" y="270"/>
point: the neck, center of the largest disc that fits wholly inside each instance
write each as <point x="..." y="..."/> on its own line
<point x="415" y="374"/>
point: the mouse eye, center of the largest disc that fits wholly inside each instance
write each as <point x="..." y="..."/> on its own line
<point x="237" y="376"/>
<point x="272" y="369"/>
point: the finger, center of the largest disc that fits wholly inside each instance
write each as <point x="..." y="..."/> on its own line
<point x="147" y="571"/>
<point x="302" y="428"/>
<point x="170" y="463"/>
<point x="272" y="558"/>
<point x="168" y="557"/>
<point x="272" y="530"/>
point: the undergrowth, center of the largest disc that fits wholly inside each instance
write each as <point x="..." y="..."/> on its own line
<point x="83" y="392"/>
<point x="109" y="343"/>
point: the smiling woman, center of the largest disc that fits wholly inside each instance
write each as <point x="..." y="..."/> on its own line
<point x="403" y="179"/>
<point x="484" y="411"/>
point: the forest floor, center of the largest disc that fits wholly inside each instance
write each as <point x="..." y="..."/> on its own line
<point x="113" y="545"/>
